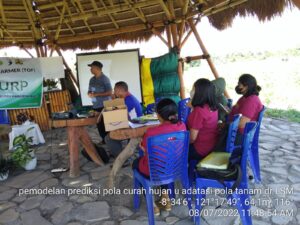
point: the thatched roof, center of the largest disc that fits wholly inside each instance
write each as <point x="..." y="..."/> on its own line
<point x="88" y="24"/>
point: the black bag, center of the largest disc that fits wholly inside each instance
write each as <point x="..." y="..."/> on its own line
<point x="233" y="171"/>
<point x="222" y="139"/>
<point x="101" y="152"/>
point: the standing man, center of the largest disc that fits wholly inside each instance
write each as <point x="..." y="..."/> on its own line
<point x="99" y="91"/>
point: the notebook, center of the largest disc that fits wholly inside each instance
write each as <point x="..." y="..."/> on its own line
<point x="215" y="160"/>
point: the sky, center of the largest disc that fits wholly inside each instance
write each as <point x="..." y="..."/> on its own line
<point x="246" y="34"/>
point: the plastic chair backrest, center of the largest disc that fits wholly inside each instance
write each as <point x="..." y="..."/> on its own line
<point x="232" y="130"/>
<point x="256" y="135"/>
<point x="150" y="109"/>
<point x="183" y="110"/>
<point x="248" y="138"/>
<point x="229" y="103"/>
<point x="168" y="157"/>
<point x="4" y="118"/>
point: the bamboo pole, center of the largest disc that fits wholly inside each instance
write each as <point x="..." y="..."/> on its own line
<point x="2" y="13"/>
<point x="205" y="52"/>
<point x="180" y="76"/>
<point x="27" y="52"/>
<point x="154" y="31"/>
<point x="81" y="11"/>
<point x="193" y="58"/>
<point x="174" y="31"/>
<point x="110" y="15"/>
<point x="68" y="68"/>
<point x="36" y="34"/>
<point x="100" y="12"/>
<point x="168" y="30"/>
<point x="60" y="22"/>
<point x="165" y="8"/>
<point x="188" y="35"/>
<point x="38" y="54"/>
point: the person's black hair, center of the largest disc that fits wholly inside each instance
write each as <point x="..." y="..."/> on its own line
<point x="205" y="93"/>
<point x="250" y="81"/>
<point x="122" y="84"/>
<point x="168" y="110"/>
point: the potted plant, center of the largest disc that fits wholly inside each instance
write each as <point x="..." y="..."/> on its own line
<point x="5" y="166"/>
<point x="23" y="155"/>
<point x="50" y="84"/>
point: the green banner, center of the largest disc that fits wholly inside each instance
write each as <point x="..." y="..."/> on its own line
<point x="21" y="83"/>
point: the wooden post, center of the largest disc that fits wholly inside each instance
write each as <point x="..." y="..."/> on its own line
<point x="168" y="30"/>
<point x="38" y="54"/>
<point x="66" y="65"/>
<point x="205" y="52"/>
<point x="180" y="75"/>
<point x="27" y="52"/>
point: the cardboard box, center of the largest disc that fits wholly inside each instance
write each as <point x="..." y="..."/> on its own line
<point x="115" y="114"/>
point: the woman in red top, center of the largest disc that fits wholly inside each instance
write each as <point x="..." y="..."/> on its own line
<point x="203" y="120"/>
<point x="249" y="105"/>
<point x="167" y="113"/>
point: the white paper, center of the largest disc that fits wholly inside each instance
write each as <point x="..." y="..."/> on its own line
<point x="150" y="123"/>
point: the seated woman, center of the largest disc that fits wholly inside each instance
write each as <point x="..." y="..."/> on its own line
<point x="249" y="105"/>
<point x="203" y="120"/>
<point x="166" y="110"/>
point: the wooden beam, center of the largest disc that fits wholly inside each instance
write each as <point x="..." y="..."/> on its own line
<point x="38" y="54"/>
<point x="27" y="52"/>
<point x="139" y="15"/>
<point x="174" y="31"/>
<point x="221" y="7"/>
<point x="67" y="8"/>
<point x="110" y="15"/>
<point x="188" y="35"/>
<point x="2" y="13"/>
<point x="138" y="27"/>
<point x="83" y="12"/>
<point x="181" y="80"/>
<point x="36" y="35"/>
<point x="165" y="8"/>
<point x="60" y="22"/>
<point x="67" y="66"/>
<point x="154" y="31"/>
<point x="101" y="12"/>
<point x="168" y="31"/>
<point x="204" y="51"/>
<point x="203" y="48"/>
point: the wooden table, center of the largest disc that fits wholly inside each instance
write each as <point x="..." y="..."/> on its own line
<point x="135" y="135"/>
<point x="78" y="134"/>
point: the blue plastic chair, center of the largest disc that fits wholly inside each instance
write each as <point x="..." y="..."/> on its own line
<point x="254" y="153"/>
<point x="167" y="155"/>
<point x="183" y="110"/>
<point x="150" y="109"/>
<point x="232" y="131"/>
<point x="229" y="103"/>
<point x="4" y="117"/>
<point x="240" y="199"/>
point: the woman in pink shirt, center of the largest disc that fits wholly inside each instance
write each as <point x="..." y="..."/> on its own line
<point x="203" y="120"/>
<point x="249" y="105"/>
<point x="167" y="113"/>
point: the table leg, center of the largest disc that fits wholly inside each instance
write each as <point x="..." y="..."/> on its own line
<point x="73" y="142"/>
<point x="89" y="146"/>
<point x="122" y="157"/>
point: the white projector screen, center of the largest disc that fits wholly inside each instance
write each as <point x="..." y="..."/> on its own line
<point x="117" y="66"/>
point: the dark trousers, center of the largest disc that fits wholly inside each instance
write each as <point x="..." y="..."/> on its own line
<point x="100" y="125"/>
<point x="193" y="154"/>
